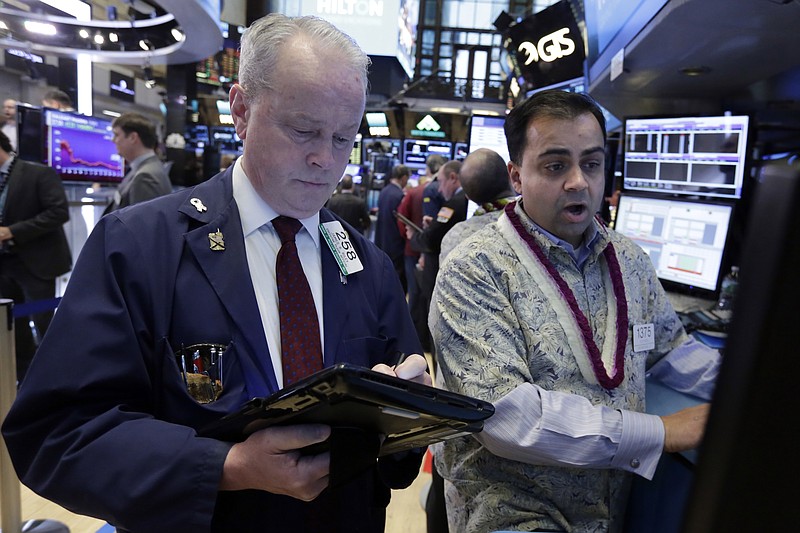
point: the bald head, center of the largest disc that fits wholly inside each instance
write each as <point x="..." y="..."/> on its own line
<point x="484" y="176"/>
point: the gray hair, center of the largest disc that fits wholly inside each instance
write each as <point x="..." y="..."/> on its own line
<point x="263" y="41"/>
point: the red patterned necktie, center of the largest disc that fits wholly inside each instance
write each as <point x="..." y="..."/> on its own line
<point x="301" y="352"/>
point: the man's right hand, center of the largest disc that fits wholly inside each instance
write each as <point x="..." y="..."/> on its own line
<point x="684" y="429"/>
<point x="270" y="460"/>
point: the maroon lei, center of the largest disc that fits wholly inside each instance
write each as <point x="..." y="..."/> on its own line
<point x="595" y="356"/>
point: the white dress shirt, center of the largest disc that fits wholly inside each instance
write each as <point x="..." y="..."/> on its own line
<point x="261" y="243"/>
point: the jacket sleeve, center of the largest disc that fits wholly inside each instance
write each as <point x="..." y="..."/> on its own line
<point x="83" y="431"/>
<point x="53" y="209"/>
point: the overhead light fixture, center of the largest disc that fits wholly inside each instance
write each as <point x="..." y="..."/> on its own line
<point x="177" y="34"/>
<point x="113" y="37"/>
<point x="99" y="39"/>
<point x="3" y="25"/>
<point x="149" y="79"/>
<point x="83" y="33"/>
<point x="145" y="45"/>
<point x="111" y="113"/>
<point x="42" y="28"/>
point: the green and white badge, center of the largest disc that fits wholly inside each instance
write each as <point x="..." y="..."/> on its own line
<point x="343" y="250"/>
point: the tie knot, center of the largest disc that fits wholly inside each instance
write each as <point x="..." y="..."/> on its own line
<point x="286" y="227"/>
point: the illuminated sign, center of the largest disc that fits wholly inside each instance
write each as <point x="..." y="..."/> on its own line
<point x="373" y="24"/>
<point x="121" y="86"/>
<point x="364" y="8"/>
<point x="547" y="47"/>
<point x="428" y="127"/>
<point x="550" y="47"/>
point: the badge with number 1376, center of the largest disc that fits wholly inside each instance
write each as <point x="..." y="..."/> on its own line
<point x="343" y="250"/>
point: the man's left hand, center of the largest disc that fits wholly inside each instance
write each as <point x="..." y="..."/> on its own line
<point x="414" y="368"/>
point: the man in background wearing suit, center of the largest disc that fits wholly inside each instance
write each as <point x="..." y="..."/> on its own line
<point x="33" y="247"/>
<point x="453" y="211"/>
<point x="135" y="137"/>
<point x="352" y="208"/>
<point x="387" y="237"/>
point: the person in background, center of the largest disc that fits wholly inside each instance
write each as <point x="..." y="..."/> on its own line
<point x="135" y="138"/>
<point x="411" y="208"/>
<point x="386" y="236"/>
<point x="432" y="201"/>
<point x="453" y="211"/>
<point x="105" y="403"/>
<point x="556" y="320"/>
<point x="352" y="208"/>
<point x="58" y="99"/>
<point x="33" y="247"/>
<point x="10" y="122"/>
<point x="484" y="178"/>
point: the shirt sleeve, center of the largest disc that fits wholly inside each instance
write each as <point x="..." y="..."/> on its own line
<point x="690" y="368"/>
<point x="537" y="426"/>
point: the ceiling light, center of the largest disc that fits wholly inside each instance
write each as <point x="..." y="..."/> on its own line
<point x="99" y="39"/>
<point x="83" y="33"/>
<point x="113" y="37"/>
<point x="3" y="25"/>
<point x="145" y="45"/>
<point x="40" y="27"/>
<point x="177" y="34"/>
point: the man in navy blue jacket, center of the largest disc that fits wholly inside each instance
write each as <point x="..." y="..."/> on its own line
<point x="105" y="424"/>
<point x="387" y="237"/>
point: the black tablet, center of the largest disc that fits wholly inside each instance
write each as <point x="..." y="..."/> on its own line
<point x="410" y="415"/>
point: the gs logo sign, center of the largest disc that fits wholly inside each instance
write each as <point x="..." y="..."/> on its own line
<point x="549" y="48"/>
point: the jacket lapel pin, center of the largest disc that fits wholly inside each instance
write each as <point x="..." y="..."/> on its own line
<point x="216" y="241"/>
<point x="198" y="204"/>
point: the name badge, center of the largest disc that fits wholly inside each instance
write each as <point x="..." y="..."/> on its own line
<point x="644" y="337"/>
<point x="343" y="250"/>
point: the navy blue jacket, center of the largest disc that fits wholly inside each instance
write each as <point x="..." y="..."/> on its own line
<point x="103" y="424"/>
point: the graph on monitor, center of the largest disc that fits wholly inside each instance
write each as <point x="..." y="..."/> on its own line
<point x="684" y="240"/>
<point x="81" y="148"/>
<point x="698" y="156"/>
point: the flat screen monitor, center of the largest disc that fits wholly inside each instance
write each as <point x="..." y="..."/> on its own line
<point x="487" y="132"/>
<point x="31" y="137"/>
<point x="196" y="137"/>
<point x="225" y="139"/>
<point x="696" y="156"/>
<point x="685" y="240"/>
<point x="745" y="479"/>
<point x="81" y="148"/>
<point x="416" y="151"/>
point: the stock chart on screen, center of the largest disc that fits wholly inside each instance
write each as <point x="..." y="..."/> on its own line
<point x="81" y="148"/>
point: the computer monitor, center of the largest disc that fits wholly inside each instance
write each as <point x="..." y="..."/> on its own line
<point x="696" y="156"/>
<point x="486" y="131"/>
<point x="225" y="139"/>
<point x="746" y="474"/>
<point x="685" y="240"/>
<point x="416" y="151"/>
<point x="81" y="148"/>
<point x="31" y="139"/>
<point x="196" y="136"/>
<point x="354" y="171"/>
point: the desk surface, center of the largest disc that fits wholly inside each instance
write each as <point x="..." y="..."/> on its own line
<point x="683" y="303"/>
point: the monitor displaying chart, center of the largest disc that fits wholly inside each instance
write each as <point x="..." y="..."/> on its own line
<point x="81" y="148"/>
<point x="685" y="240"/>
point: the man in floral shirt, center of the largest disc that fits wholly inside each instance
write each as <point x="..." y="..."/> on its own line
<point x="557" y="319"/>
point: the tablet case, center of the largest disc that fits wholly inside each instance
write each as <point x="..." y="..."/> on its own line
<point x="409" y="414"/>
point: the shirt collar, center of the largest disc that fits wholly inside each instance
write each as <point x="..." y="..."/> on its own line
<point x="139" y="160"/>
<point x="580" y="254"/>
<point x="255" y="212"/>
